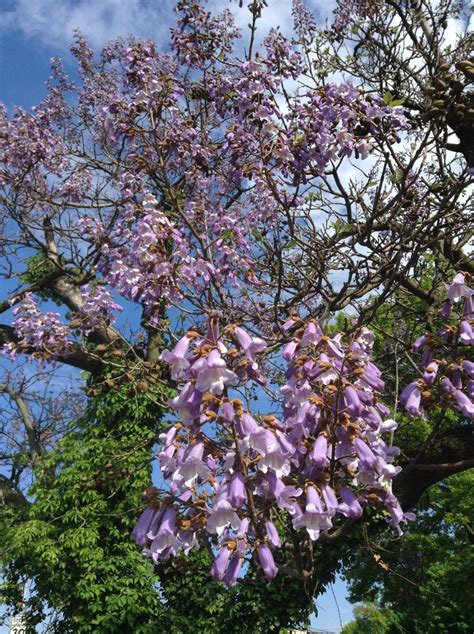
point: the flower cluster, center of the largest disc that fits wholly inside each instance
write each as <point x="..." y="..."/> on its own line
<point x="97" y="308"/>
<point x="238" y="477"/>
<point x="347" y="10"/>
<point x="448" y="375"/>
<point x="41" y="332"/>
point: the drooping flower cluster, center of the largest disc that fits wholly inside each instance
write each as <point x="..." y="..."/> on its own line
<point x="235" y="477"/>
<point x="40" y="333"/>
<point x="448" y="370"/>
<point x="347" y="10"/>
<point x="98" y="308"/>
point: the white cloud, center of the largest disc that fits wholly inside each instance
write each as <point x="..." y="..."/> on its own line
<point x="53" y="22"/>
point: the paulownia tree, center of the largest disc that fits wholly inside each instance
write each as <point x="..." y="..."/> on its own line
<point x="241" y="195"/>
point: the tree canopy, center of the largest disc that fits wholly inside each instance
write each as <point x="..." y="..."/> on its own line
<point x="252" y="255"/>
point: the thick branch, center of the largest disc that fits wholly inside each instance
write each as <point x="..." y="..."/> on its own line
<point x="35" y="447"/>
<point x="450" y="453"/>
<point x="76" y="356"/>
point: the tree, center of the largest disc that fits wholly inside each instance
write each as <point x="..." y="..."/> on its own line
<point x="207" y="187"/>
<point x="425" y="577"/>
<point x="369" y="619"/>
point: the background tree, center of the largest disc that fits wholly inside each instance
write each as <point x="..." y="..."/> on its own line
<point x="424" y="578"/>
<point x="209" y="184"/>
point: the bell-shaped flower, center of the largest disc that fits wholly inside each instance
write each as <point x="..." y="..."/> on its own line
<point x="466" y="333"/>
<point x="319" y="452"/>
<point x="388" y="425"/>
<point x="142" y="527"/>
<point x="219" y="566"/>
<point x="289" y="324"/>
<point x="289" y="350"/>
<point x="470" y="389"/>
<point x="284" y="495"/>
<point x="187" y="541"/>
<point x="272" y="534"/>
<point x="365" y="454"/>
<point x="324" y="370"/>
<point x="192" y="467"/>
<point x="187" y="404"/>
<point x="246" y="425"/>
<point x="330" y="500"/>
<point x="312" y="334"/>
<point x="468" y="367"/>
<point x="177" y="358"/>
<point x="166" y="458"/>
<point x="350" y="506"/>
<point x="277" y="461"/>
<point x="222" y="516"/>
<point x="314" y="519"/>
<point x="465" y="404"/>
<point x="468" y="311"/>
<point x="166" y="534"/>
<point x="215" y="376"/>
<point x="410" y="398"/>
<point x="419" y="343"/>
<point x="228" y="412"/>
<point x="458" y="288"/>
<point x="447" y="385"/>
<point x="266" y="561"/>
<point x="371" y="377"/>
<point x="237" y="493"/>
<point x="352" y="402"/>
<point x="446" y="311"/>
<point x="250" y="345"/>
<point x="233" y="571"/>
<point x="430" y="373"/>
<point x="386" y="473"/>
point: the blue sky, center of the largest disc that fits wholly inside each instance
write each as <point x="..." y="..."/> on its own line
<point x="32" y="31"/>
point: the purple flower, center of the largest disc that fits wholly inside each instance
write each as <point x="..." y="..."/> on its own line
<point x="166" y="535"/>
<point x="233" y="570"/>
<point x="465" y="404"/>
<point x="272" y="534"/>
<point x="192" y="467"/>
<point x="466" y="334"/>
<point x="312" y="334"/>
<point x="221" y="516"/>
<point x="283" y="494"/>
<point x="142" y="526"/>
<point x="410" y="398"/>
<point x="314" y="519"/>
<point x="352" y="401"/>
<point x="365" y="454"/>
<point x="220" y="563"/>
<point x="350" y="506"/>
<point x="419" y="343"/>
<point x="250" y="345"/>
<point x="458" y="288"/>
<point x="430" y="373"/>
<point x="266" y="561"/>
<point x="289" y="350"/>
<point x="237" y="492"/>
<point x="319" y="452"/>
<point x="187" y="404"/>
<point x="177" y="359"/>
<point x="468" y="367"/>
<point x="215" y="376"/>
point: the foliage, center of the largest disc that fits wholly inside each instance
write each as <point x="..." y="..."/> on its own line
<point x="72" y="543"/>
<point x="369" y="619"/>
<point x="426" y="577"/>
